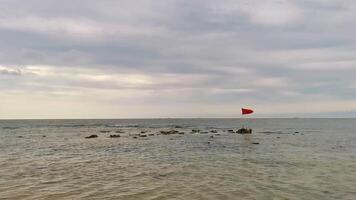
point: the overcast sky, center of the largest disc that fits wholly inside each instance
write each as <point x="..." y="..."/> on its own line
<point x="177" y="58"/>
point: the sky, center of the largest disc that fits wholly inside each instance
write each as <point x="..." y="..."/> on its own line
<point x="177" y="58"/>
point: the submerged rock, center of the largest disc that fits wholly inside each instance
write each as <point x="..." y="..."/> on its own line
<point x="151" y="134"/>
<point x="181" y="133"/>
<point x="91" y="136"/>
<point x="255" y="143"/>
<point x="104" y="131"/>
<point x="204" y="132"/>
<point x="115" y="136"/>
<point x="119" y="131"/>
<point x="230" y="131"/>
<point x="143" y="135"/>
<point x="213" y="131"/>
<point x="244" y="131"/>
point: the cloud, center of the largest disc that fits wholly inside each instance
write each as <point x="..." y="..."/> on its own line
<point x="10" y="71"/>
<point x="273" y="13"/>
<point x="159" y="56"/>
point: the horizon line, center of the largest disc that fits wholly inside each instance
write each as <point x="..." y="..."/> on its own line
<point x="152" y="118"/>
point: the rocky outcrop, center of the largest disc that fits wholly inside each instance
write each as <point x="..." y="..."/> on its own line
<point x="244" y="131"/>
<point x="91" y="136"/>
<point x="170" y="132"/>
<point x="115" y="136"/>
<point x="195" y="130"/>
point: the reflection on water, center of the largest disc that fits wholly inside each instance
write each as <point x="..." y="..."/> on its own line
<point x="282" y="159"/>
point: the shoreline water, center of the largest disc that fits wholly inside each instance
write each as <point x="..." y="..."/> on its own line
<point x="294" y="159"/>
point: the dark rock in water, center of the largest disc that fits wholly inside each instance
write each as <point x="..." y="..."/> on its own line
<point x="151" y="134"/>
<point x="213" y="131"/>
<point x="195" y="130"/>
<point x="296" y="132"/>
<point x="104" y="131"/>
<point x="255" y="143"/>
<point x="143" y="131"/>
<point x="278" y="137"/>
<point x="143" y="135"/>
<point x="204" y="132"/>
<point x="134" y="137"/>
<point x="181" y="133"/>
<point x="176" y="126"/>
<point x="230" y="131"/>
<point x="115" y="136"/>
<point x="211" y="136"/>
<point x="119" y="131"/>
<point x="244" y="131"/>
<point x="43" y="136"/>
<point x="169" y="132"/>
<point x="20" y="136"/>
<point x="91" y="136"/>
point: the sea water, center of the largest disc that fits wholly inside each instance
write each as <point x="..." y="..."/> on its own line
<point x="281" y="159"/>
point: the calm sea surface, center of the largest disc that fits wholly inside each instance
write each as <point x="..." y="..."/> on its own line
<point x="282" y="159"/>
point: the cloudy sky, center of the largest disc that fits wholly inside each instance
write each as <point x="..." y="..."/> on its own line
<point x="177" y="58"/>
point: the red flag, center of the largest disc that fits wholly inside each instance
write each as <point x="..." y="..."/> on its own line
<point x="246" y="111"/>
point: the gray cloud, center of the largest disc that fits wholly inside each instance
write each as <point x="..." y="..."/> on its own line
<point x="15" y="72"/>
<point x="180" y="52"/>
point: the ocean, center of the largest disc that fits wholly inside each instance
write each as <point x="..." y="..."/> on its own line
<point x="281" y="159"/>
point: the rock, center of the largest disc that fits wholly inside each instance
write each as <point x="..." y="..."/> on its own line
<point x="176" y="126"/>
<point x="195" y="130"/>
<point x="115" y="136"/>
<point x="169" y="132"/>
<point x="278" y="137"/>
<point x="119" y="131"/>
<point x="181" y="133"/>
<point x="151" y="134"/>
<point x="213" y="131"/>
<point x="20" y="136"/>
<point x="143" y="131"/>
<point x="43" y="136"/>
<point x="244" y="131"/>
<point x="134" y="137"/>
<point x="296" y="132"/>
<point x="211" y="136"/>
<point x="255" y="143"/>
<point x="91" y="136"/>
<point x="143" y="135"/>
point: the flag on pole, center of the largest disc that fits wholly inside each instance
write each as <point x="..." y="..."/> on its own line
<point x="246" y="111"/>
